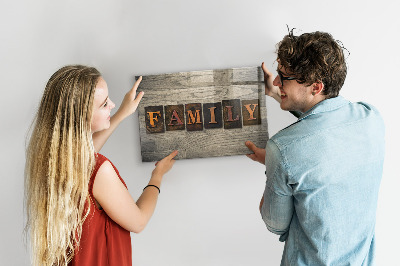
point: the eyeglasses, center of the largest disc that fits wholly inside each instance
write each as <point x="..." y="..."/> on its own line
<point x="282" y="78"/>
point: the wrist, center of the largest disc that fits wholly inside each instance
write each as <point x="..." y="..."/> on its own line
<point x="156" y="177"/>
<point x="150" y="185"/>
<point x="118" y="116"/>
<point x="274" y="93"/>
<point x="277" y="97"/>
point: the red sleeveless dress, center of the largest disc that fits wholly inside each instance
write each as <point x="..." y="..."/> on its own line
<point x="103" y="241"/>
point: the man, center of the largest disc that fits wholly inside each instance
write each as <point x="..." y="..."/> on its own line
<point x="323" y="171"/>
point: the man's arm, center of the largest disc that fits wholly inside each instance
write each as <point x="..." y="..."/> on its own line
<point x="270" y="89"/>
<point x="276" y="206"/>
<point x="276" y="211"/>
<point x="128" y="107"/>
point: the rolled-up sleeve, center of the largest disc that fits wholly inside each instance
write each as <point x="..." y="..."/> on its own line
<point x="277" y="209"/>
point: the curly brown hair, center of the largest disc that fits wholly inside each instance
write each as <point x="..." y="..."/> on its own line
<point x="314" y="57"/>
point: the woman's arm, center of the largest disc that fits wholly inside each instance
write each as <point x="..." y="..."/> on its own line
<point x="116" y="201"/>
<point x="128" y="107"/>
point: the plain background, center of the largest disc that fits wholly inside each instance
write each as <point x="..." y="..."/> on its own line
<point x="208" y="208"/>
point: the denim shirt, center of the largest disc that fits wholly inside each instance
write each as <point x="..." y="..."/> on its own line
<point x="323" y="175"/>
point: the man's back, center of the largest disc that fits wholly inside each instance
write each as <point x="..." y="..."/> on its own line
<point x="329" y="165"/>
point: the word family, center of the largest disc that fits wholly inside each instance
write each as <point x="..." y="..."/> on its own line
<point x="228" y="114"/>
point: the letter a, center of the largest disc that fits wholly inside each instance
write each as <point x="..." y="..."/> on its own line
<point x="175" y="117"/>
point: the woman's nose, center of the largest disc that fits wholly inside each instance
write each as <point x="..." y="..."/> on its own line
<point x="112" y="105"/>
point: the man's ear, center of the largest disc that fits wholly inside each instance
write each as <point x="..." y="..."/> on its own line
<point x="317" y="88"/>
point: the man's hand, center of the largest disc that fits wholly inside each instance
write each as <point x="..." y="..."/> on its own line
<point x="258" y="155"/>
<point x="270" y="89"/>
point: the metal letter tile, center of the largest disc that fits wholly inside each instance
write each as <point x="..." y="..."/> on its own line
<point x="194" y="120"/>
<point x="251" y="112"/>
<point x="212" y="115"/>
<point x="232" y="113"/>
<point x="154" y="117"/>
<point x="174" y="117"/>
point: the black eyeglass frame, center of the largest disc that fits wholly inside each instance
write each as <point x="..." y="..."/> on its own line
<point x="282" y="78"/>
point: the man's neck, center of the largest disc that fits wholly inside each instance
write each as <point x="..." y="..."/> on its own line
<point x="316" y="100"/>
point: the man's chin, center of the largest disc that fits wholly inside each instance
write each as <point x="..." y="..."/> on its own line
<point x="285" y="108"/>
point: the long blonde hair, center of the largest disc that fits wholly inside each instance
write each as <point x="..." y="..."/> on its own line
<point x="59" y="161"/>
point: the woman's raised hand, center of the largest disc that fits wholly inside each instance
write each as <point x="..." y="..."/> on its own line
<point x="131" y="100"/>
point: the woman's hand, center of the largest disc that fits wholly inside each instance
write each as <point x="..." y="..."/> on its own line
<point x="163" y="166"/>
<point x="131" y="101"/>
<point x="270" y="89"/>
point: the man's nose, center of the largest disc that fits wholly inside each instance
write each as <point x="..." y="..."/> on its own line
<point x="277" y="81"/>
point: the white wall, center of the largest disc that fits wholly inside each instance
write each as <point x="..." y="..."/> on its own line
<point x="208" y="208"/>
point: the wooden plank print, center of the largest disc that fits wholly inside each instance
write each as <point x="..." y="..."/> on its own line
<point x="202" y="113"/>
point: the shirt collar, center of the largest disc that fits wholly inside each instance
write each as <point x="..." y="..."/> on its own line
<point x="325" y="106"/>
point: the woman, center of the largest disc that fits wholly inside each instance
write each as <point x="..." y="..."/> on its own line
<point x="78" y="207"/>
